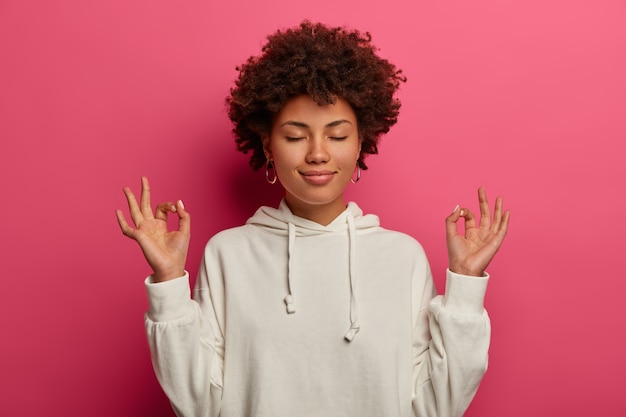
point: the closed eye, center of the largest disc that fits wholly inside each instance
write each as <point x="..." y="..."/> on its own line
<point x="293" y="138"/>
<point x="338" y="137"/>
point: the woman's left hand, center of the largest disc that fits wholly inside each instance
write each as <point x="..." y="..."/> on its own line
<point x="470" y="253"/>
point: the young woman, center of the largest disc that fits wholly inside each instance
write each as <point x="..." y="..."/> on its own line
<point x="312" y="308"/>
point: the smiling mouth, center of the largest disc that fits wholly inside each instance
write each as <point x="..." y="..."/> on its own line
<point x="318" y="177"/>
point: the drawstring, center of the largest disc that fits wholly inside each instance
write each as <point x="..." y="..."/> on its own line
<point x="289" y="300"/>
<point x="354" y="323"/>
<point x="291" y="306"/>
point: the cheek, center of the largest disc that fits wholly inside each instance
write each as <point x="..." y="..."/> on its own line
<point x="347" y="161"/>
<point x="347" y="157"/>
<point x="357" y="153"/>
<point x="283" y="159"/>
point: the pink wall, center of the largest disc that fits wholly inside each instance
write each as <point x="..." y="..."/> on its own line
<point x="527" y="98"/>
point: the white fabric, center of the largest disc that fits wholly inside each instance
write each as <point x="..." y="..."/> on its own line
<point x="237" y="349"/>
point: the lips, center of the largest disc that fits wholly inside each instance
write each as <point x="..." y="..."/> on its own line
<point x="318" y="177"/>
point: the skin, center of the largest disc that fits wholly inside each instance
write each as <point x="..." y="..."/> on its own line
<point x="470" y="253"/>
<point x="165" y="250"/>
<point x="315" y="150"/>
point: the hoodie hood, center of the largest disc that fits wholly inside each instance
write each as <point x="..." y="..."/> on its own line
<point x="282" y="222"/>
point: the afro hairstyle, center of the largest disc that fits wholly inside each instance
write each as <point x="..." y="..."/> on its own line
<point x="325" y="63"/>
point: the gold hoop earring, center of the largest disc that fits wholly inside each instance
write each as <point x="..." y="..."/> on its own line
<point x="358" y="175"/>
<point x="269" y="164"/>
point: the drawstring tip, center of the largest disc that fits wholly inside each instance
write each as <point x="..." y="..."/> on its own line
<point x="291" y="307"/>
<point x="354" y="329"/>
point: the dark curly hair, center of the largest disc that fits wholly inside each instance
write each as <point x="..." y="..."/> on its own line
<point x="325" y="63"/>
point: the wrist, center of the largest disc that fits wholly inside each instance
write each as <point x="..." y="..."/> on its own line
<point x="168" y="275"/>
<point x="466" y="271"/>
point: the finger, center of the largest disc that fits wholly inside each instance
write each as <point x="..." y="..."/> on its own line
<point x="505" y="224"/>
<point x="126" y="229"/>
<point x="470" y="219"/>
<point x="163" y="209"/>
<point x="483" y="203"/>
<point x="133" y="207"/>
<point x="451" y="221"/>
<point x="497" y="215"/>
<point x="145" y="198"/>
<point x="184" y="218"/>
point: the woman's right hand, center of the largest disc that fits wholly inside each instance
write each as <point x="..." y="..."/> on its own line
<point x="165" y="251"/>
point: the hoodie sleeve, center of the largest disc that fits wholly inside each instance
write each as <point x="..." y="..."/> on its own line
<point x="186" y="346"/>
<point x="450" y="345"/>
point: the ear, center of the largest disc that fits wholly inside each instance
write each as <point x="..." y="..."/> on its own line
<point x="267" y="149"/>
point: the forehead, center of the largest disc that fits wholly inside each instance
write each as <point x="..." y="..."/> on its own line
<point x="305" y="110"/>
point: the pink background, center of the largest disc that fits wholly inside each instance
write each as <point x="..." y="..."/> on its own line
<point x="527" y="98"/>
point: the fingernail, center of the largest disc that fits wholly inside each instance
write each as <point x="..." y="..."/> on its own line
<point x="461" y="212"/>
<point x="173" y="208"/>
<point x="181" y="204"/>
<point x="455" y="209"/>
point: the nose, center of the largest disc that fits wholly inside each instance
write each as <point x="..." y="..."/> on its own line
<point x="318" y="152"/>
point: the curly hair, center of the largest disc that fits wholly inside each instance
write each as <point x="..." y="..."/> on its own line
<point x="325" y="63"/>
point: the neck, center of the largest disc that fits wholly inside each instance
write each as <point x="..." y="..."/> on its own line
<point x="322" y="214"/>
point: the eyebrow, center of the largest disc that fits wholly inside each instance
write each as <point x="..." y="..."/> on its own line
<point x="300" y="124"/>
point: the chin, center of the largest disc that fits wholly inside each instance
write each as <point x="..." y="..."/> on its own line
<point x="315" y="199"/>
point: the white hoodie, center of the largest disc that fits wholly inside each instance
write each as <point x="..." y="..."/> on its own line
<point x="292" y="318"/>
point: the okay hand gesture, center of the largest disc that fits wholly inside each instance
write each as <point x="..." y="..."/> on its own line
<point x="471" y="252"/>
<point x="165" y="250"/>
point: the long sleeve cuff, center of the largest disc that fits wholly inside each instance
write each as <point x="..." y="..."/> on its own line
<point x="169" y="300"/>
<point x="464" y="293"/>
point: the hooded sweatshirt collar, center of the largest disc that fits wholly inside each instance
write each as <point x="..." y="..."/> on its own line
<point x="282" y="222"/>
<point x="276" y="220"/>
